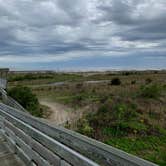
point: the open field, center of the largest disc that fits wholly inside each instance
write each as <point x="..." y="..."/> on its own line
<point x="129" y="114"/>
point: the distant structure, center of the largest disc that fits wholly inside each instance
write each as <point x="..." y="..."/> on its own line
<point x="3" y="77"/>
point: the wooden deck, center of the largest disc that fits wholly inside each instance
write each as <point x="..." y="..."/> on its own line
<point x="7" y="158"/>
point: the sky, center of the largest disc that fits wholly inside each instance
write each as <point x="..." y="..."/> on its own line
<point x="83" y="34"/>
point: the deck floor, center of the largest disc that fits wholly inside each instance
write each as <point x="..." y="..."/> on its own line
<point x="7" y="158"/>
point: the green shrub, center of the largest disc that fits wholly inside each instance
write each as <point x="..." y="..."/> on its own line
<point x="113" y="132"/>
<point x="124" y="111"/>
<point x="103" y="99"/>
<point x="79" y="85"/>
<point x="85" y="128"/>
<point x="78" y="98"/>
<point x="115" y="81"/>
<point x="148" y="80"/>
<point x="103" y="109"/>
<point x="133" y="82"/>
<point x="150" y="91"/>
<point x="164" y="87"/>
<point x="111" y="118"/>
<point x="27" y="99"/>
<point x="134" y="125"/>
<point x="126" y="73"/>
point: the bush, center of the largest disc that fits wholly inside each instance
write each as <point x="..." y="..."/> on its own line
<point x="115" y="81"/>
<point x="150" y="91"/>
<point x="133" y="82"/>
<point x="78" y="98"/>
<point x="126" y="73"/>
<point x="27" y="99"/>
<point x="112" y="131"/>
<point x="85" y="128"/>
<point x="79" y="85"/>
<point x="103" y="99"/>
<point x="148" y="80"/>
<point x="103" y="109"/>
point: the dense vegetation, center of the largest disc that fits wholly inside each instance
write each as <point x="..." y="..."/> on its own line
<point x="40" y="78"/>
<point x="128" y="123"/>
<point x="127" y="111"/>
<point x="27" y="99"/>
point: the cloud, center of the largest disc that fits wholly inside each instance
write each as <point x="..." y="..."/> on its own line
<point x="58" y="30"/>
<point x="140" y="20"/>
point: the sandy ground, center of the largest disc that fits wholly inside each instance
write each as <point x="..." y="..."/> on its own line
<point x="60" y="113"/>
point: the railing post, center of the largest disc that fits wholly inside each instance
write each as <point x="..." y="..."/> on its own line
<point x="4" y="95"/>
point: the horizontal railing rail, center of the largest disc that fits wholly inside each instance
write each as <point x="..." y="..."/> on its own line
<point x="37" y="147"/>
<point x="40" y="142"/>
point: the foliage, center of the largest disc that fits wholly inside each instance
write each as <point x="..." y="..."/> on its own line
<point x="118" y="123"/>
<point x="148" y="80"/>
<point x="135" y="126"/>
<point x="30" y="76"/>
<point x="112" y="118"/>
<point x="143" y="146"/>
<point x="150" y="91"/>
<point x="85" y="128"/>
<point x="54" y="77"/>
<point x="113" y="132"/>
<point x="27" y="99"/>
<point x="115" y="81"/>
<point x="133" y="82"/>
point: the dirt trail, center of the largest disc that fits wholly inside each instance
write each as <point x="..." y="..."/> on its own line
<point x="60" y="113"/>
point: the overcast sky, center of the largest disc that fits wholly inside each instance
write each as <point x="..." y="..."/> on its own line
<point x="83" y="34"/>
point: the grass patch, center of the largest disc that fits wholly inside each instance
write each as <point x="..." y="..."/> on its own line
<point x="150" y="148"/>
<point x="150" y="91"/>
<point x="135" y="125"/>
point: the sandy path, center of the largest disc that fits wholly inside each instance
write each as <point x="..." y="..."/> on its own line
<point x="59" y="113"/>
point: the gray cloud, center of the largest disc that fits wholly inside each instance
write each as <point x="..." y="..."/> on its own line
<point x="61" y="28"/>
<point x="139" y="20"/>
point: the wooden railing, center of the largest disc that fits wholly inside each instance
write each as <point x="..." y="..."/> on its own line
<point x="10" y="101"/>
<point x="3" y="83"/>
<point x="39" y="143"/>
